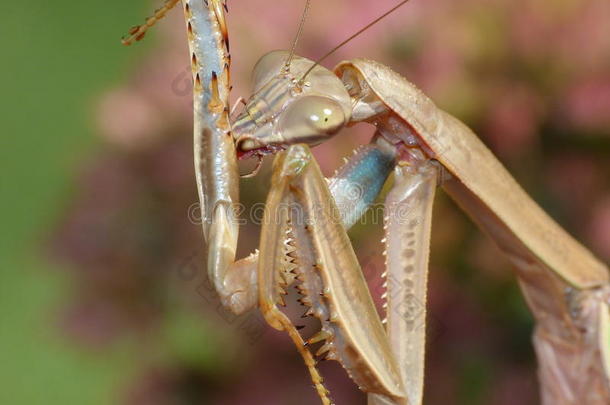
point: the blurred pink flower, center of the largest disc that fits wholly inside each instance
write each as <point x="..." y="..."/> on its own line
<point x="513" y="117"/>
<point x="586" y="104"/>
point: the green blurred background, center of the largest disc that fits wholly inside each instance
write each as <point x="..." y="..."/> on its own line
<point x="101" y="284"/>
<point x="56" y="58"/>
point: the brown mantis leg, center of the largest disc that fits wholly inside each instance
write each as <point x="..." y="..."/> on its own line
<point x="407" y="247"/>
<point x="301" y="208"/>
<point x="571" y="337"/>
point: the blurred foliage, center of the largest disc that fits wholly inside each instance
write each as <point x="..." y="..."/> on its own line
<point x="56" y="56"/>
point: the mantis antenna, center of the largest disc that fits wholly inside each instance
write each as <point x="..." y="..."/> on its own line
<point x="360" y="31"/>
<point x="296" y="38"/>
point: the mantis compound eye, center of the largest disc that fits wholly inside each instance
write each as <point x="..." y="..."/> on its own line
<point x="311" y="120"/>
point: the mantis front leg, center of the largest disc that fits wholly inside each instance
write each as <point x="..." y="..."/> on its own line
<point x="216" y="171"/>
<point x="301" y="206"/>
<point x="408" y="220"/>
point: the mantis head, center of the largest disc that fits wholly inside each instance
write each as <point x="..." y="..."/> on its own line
<point x="287" y="108"/>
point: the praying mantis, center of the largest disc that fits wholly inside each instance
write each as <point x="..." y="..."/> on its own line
<point x="297" y="103"/>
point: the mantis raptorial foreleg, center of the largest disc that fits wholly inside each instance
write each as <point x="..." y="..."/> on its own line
<point x="407" y="245"/>
<point x="407" y="239"/>
<point x="300" y="203"/>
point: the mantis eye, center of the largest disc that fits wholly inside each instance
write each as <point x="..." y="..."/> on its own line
<point x="311" y="119"/>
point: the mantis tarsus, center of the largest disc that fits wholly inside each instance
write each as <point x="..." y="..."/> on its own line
<point x="297" y="103"/>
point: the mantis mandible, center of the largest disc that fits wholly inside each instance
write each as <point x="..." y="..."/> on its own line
<point x="297" y="103"/>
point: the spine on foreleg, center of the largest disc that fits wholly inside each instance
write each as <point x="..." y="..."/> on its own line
<point x="214" y="152"/>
